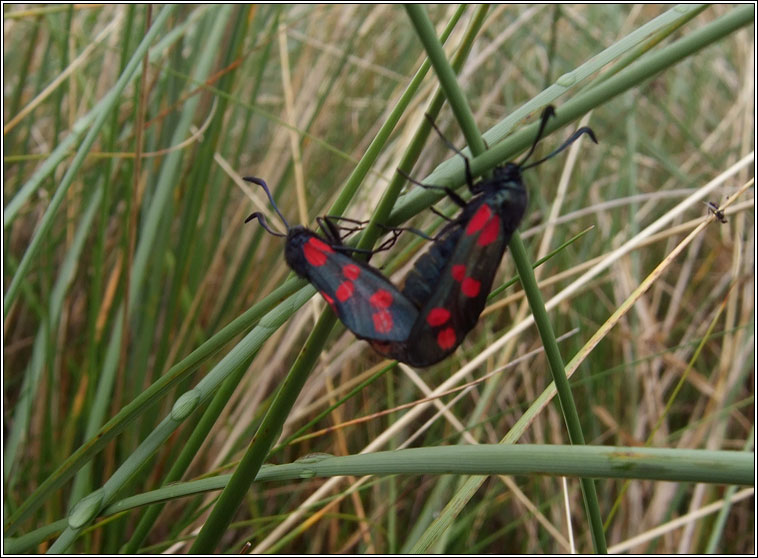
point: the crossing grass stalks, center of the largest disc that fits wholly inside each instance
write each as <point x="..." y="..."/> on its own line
<point x="149" y="333"/>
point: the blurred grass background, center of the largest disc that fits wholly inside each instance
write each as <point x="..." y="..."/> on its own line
<point x="124" y="251"/>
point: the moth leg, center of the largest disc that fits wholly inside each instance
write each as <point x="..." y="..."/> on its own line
<point x="469" y="176"/>
<point x="449" y="191"/>
<point x="328" y="224"/>
<point x="398" y="230"/>
<point x="438" y="213"/>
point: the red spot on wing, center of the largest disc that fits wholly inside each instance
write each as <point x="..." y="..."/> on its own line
<point x="437" y="316"/>
<point x="327" y="298"/>
<point x="470" y="287"/>
<point x="316" y="251"/>
<point x="382" y="321"/>
<point x="381" y="299"/>
<point x="490" y="233"/>
<point x="351" y="271"/>
<point x="459" y="272"/>
<point x="479" y="220"/>
<point x="446" y="338"/>
<point x="345" y="291"/>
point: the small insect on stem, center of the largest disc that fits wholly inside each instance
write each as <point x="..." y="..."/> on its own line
<point x="714" y="208"/>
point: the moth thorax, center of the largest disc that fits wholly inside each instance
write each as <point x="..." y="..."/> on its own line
<point x="509" y="172"/>
<point x="297" y="237"/>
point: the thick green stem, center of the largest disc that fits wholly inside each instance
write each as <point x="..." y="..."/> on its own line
<point x="570" y="414"/>
<point x="463" y="113"/>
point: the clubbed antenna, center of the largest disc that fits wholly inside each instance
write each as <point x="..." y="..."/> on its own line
<point x="469" y="177"/>
<point x="546" y="114"/>
<point x="575" y="136"/>
<point x="262" y="183"/>
<point x="262" y="221"/>
<point x="449" y="191"/>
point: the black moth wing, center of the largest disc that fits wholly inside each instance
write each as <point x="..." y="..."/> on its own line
<point x="459" y="270"/>
<point x="465" y="282"/>
<point x="421" y="281"/>
<point x="364" y="300"/>
<point x="421" y="286"/>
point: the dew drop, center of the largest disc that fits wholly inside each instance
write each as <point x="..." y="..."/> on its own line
<point x="566" y="80"/>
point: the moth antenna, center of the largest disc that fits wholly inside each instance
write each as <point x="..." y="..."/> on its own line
<point x="546" y="114"/>
<point x="575" y="136"/>
<point x="262" y="221"/>
<point x="449" y="191"/>
<point x="262" y="183"/>
<point x="469" y="177"/>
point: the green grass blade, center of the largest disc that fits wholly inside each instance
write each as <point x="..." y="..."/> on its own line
<point x="33" y="375"/>
<point x="607" y="462"/>
<point x="465" y="117"/>
<point x="97" y="123"/>
<point x="285" y="398"/>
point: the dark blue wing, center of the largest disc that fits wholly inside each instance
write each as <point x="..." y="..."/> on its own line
<point x="364" y="300"/>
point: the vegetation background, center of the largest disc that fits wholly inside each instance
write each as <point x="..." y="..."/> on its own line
<point x="130" y="277"/>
